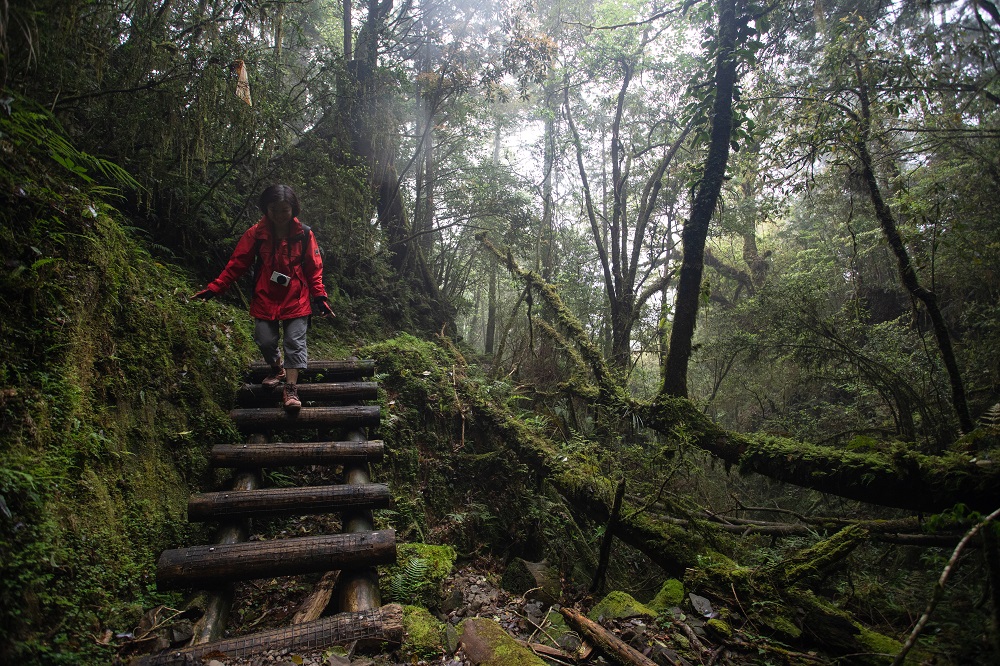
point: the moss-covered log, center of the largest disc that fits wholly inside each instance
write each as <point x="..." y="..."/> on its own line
<point x="899" y="478"/>
<point x="587" y="490"/>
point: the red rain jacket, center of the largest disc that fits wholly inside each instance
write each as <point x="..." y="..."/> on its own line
<point x="296" y="256"/>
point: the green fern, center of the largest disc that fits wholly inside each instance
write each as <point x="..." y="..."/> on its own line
<point x="990" y="420"/>
<point x="39" y="128"/>
<point x="408" y="581"/>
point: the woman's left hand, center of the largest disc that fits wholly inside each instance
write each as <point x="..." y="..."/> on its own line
<point x="324" y="308"/>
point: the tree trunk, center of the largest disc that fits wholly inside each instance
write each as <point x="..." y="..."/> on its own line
<point x="367" y="113"/>
<point x="696" y="230"/>
<point x="900" y="478"/>
<point x="907" y="273"/>
<point x="348" y="27"/>
<point x="491" y="307"/>
<point x="610" y="645"/>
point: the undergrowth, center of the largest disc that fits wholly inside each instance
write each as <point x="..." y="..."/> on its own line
<point x="110" y="390"/>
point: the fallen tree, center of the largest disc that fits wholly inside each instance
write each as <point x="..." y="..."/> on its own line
<point x="684" y="550"/>
<point x="898" y="477"/>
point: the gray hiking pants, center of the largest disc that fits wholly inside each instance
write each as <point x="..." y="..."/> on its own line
<point x="265" y="334"/>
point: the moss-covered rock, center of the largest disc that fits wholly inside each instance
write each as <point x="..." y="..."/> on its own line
<point x="424" y="635"/>
<point x="418" y="574"/>
<point x="671" y="594"/>
<point x="619" y="605"/>
<point x="487" y="644"/>
<point x="719" y="629"/>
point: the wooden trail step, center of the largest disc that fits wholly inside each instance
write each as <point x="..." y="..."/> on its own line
<point x="256" y="395"/>
<point x="212" y="566"/>
<point x="354" y="416"/>
<point x="322" y="370"/>
<point x="287" y="501"/>
<point x="383" y="624"/>
<point x="280" y="454"/>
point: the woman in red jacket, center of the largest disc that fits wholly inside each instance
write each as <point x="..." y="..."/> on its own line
<point x="288" y="279"/>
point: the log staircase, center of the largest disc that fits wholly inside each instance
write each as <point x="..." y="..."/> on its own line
<point x="329" y="391"/>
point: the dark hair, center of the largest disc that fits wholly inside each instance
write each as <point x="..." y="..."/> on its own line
<point x="278" y="193"/>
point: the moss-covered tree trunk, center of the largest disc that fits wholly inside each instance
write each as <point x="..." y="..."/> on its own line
<point x="696" y="230"/>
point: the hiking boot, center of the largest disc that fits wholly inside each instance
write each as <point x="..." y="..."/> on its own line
<point x="290" y="399"/>
<point x="275" y="378"/>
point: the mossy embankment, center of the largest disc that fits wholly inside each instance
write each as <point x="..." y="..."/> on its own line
<point x="112" y="387"/>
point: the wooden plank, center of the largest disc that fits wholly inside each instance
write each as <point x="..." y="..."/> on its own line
<point x="213" y="566"/>
<point x="279" y="454"/>
<point x="383" y="625"/>
<point x="314" y="605"/>
<point x="256" y="395"/>
<point x="321" y="370"/>
<point x="287" y="501"/>
<point x="307" y="417"/>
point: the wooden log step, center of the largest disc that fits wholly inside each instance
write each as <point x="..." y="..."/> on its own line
<point x="383" y="624"/>
<point x="212" y="566"/>
<point x="264" y="418"/>
<point x="287" y="501"/>
<point x="322" y="370"/>
<point x="279" y="454"/>
<point x="255" y="395"/>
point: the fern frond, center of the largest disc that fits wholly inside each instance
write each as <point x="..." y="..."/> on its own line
<point x="990" y="419"/>
<point x="407" y="582"/>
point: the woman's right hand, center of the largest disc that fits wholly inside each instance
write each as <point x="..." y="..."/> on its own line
<point x="204" y="295"/>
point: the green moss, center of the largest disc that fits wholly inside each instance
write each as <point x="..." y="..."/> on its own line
<point x="419" y="573"/>
<point x="720" y="629"/>
<point x="824" y="554"/>
<point x="619" y="605"/>
<point x="878" y="643"/>
<point x="781" y="624"/>
<point x="503" y="650"/>
<point x="424" y="633"/>
<point x="112" y="388"/>
<point x="671" y="594"/>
